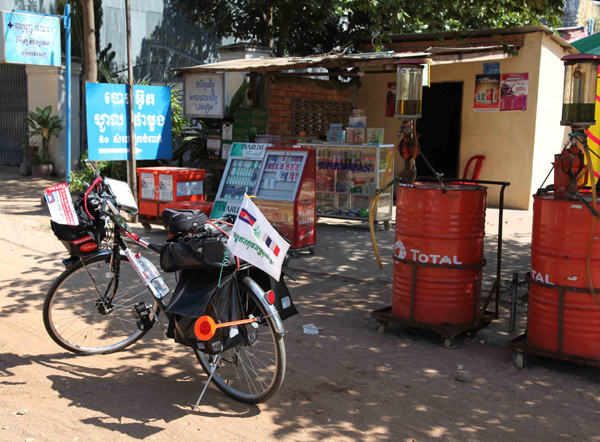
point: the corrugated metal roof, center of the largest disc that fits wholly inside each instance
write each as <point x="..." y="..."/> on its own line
<point x="277" y="64"/>
<point x="342" y="61"/>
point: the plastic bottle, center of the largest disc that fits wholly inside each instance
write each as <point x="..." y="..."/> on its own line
<point x="152" y="276"/>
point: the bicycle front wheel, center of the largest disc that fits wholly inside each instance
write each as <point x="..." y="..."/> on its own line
<point x="251" y="372"/>
<point x="89" y="310"/>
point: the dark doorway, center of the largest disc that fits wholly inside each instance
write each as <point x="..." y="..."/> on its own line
<point x="440" y="129"/>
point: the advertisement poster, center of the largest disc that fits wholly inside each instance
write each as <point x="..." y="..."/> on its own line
<point x="487" y="93"/>
<point x="390" y="105"/>
<point x="165" y="187"/>
<point x="514" y="92"/>
<point x="147" y="180"/>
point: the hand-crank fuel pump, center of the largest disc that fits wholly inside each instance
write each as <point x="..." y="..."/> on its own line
<point x="439" y="235"/>
<point x="562" y="317"/>
<point x="579" y="107"/>
<point x="409" y="99"/>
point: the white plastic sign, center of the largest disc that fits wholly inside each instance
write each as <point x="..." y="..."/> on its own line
<point x="60" y="205"/>
<point x="122" y="193"/>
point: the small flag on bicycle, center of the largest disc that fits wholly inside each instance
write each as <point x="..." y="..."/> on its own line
<point x="254" y="240"/>
<point x="271" y="245"/>
<point x="246" y="217"/>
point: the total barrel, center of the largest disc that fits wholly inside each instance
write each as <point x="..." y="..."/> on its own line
<point x="438" y="254"/>
<point x="558" y="270"/>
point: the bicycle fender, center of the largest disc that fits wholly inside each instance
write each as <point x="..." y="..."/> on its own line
<point x="72" y="260"/>
<point x="260" y="294"/>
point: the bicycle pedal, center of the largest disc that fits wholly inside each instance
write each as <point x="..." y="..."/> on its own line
<point x="142" y="312"/>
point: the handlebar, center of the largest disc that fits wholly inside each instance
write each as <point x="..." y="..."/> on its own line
<point x="108" y="207"/>
<point x="93" y="166"/>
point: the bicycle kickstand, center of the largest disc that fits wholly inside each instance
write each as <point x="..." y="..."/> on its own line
<point x="212" y="372"/>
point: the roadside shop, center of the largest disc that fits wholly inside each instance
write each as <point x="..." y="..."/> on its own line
<point x="493" y="93"/>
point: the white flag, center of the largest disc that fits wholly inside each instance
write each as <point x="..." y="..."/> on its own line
<point x="254" y="240"/>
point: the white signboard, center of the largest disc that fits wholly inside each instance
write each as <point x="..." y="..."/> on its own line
<point x="203" y="95"/>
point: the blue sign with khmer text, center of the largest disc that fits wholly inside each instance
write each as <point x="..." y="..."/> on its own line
<point x="108" y="122"/>
<point x="30" y="38"/>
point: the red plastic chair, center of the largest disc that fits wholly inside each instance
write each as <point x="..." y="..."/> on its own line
<point x="479" y="159"/>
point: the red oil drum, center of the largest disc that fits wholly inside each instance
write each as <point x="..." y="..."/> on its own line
<point x="558" y="258"/>
<point x="442" y="233"/>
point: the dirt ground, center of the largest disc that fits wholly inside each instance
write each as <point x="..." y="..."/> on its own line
<point x="348" y="383"/>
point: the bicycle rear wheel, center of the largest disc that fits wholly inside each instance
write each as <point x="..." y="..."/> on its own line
<point x="251" y="372"/>
<point x="78" y="315"/>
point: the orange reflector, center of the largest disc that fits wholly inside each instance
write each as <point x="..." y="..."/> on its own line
<point x="205" y="327"/>
<point x="270" y="297"/>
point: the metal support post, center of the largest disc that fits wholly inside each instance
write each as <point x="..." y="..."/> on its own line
<point x="513" y="302"/>
<point x="67" y="25"/>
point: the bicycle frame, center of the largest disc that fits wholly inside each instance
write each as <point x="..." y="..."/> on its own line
<point x="119" y="245"/>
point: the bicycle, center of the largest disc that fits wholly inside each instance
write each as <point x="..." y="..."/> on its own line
<point x="100" y="304"/>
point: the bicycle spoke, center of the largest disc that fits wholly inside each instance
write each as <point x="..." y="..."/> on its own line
<point x="252" y="371"/>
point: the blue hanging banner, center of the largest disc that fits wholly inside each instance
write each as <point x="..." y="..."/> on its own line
<point x="108" y="122"/>
<point x="30" y="38"/>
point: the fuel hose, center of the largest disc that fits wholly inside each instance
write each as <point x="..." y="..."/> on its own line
<point x="592" y="228"/>
<point x="372" y="210"/>
<point x="375" y="201"/>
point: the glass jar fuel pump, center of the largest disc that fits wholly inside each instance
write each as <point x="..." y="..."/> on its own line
<point x="579" y="112"/>
<point x="409" y="88"/>
<point x="579" y="95"/>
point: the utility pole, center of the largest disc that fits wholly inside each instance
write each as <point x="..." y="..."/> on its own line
<point x="131" y="166"/>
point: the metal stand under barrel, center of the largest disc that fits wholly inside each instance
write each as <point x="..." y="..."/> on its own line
<point x="521" y="348"/>
<point x="481" y="319"/>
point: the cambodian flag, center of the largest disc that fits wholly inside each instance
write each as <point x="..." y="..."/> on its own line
<point x="246" y="217"/>
<point x="271" y="245"/>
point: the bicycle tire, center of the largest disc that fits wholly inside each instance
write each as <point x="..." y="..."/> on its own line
<point x="228" y="380"/>
<point x="118" y="326"/>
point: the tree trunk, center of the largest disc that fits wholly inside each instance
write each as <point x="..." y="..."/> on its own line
<point x="267" y="34"/>
<point x="283" y="36"/>
<point x="89" y="38"/>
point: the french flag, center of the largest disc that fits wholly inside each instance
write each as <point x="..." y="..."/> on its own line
<point x="271" y="245"/>
<point x="247" y="218"/>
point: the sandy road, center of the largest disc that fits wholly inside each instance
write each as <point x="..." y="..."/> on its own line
<point x="348" y="383"/>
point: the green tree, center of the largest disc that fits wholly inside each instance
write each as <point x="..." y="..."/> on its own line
<point x="301" y="27"/>
<point x="267" y="22"/>
<point x="385" y="17"/>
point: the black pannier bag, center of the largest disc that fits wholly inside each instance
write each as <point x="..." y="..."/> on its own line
<point x="85" y="238"/>
<point x="204" y="248"/>
<point x="184" y="220"/>
<point x="192" y="299"/>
